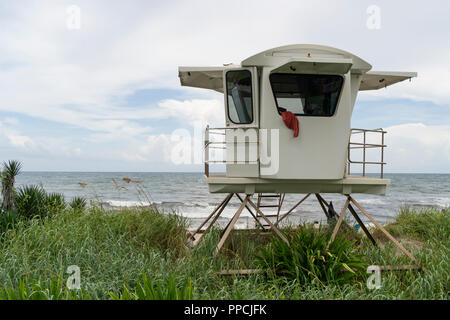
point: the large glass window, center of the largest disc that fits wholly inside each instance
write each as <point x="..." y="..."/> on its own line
<point x="306" y="94"/>
<point x="239" y="96"/>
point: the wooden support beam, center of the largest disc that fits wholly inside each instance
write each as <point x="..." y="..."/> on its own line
<point x="253" y="215"/>
<point x="231" y="224"/>
<point x="338" y="224"/>
<point x="227" y="198"/>
<point x="379" y="226"/>
<point x="328" y="206"/>
<point x="332" y="209"/>
<point x="293" y="208"/>
<point x="274" y="228"/>
<point x="280" y="203"/>
<point x="400" y="268"/>
<point x="358" y="219"/>
<point x="218" y="214"/>
<point x="240" y="272"/>
<point x="322" y="206"/>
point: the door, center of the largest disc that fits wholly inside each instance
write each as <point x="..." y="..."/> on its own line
<point x="242" y="122"/>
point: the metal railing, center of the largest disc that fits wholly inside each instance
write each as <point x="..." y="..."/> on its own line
<point x="222" y="145"/>
<point x="364" y="146"/>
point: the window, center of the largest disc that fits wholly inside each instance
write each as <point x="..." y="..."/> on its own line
<point x="239" y="96"/>
<point x="306" y="94"/>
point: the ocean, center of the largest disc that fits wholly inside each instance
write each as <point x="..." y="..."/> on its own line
<point x="187" y="194"/>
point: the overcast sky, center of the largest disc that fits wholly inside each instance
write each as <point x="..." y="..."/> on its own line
<point x="106" y="96"/>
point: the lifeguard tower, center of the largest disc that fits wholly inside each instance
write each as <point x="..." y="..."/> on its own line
<point x="287" y="131"/>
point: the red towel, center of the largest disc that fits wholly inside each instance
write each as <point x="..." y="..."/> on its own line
<point x="291" y="121"/>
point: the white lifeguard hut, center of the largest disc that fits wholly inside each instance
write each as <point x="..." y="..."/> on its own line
<point x="266" y="97"/>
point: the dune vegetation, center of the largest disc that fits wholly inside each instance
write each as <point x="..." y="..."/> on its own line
<point x="141" y="253"/>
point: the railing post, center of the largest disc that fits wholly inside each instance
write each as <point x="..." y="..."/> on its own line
<point x="348" y="152"/>
<point x="207" y="151"/>
<point x="364" y="154"/>
<point x="364" y="145"/>
<point x="382" y="153"/>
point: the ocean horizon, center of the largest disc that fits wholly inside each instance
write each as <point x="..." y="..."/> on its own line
<point x="186" y="193"/>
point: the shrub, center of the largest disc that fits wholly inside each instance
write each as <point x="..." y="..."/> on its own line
<point x="31" y="201"/>
<point x="307" y="260"/>
<point x="78" y="203"/>
<point x="55" y="202"/>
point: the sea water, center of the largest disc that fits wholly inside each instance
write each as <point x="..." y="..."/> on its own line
<point x="187" y="194"/>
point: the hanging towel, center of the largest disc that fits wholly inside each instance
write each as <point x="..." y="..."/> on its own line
<point x="291" y="121"/>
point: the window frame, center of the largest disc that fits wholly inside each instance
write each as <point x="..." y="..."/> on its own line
<point x="251" y="95"/>
<point x="308" y="74"/>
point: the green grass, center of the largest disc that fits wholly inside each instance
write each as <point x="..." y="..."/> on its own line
<point x="53" y="288"/>
<point x="149" y="290"/>
<point x="308" y="258"/>
<point x="425" y="224"/>
<point x="140" y="254"/>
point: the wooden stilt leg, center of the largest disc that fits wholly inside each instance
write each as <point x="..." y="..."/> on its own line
<point x="274" y="228"/>
<point x="218" y="214"/>
<point x="231" y="224"/>
<point x="355" y="215"/>
<point x="322" y="206"/>
<point x="327" y="205"/>
<point x="379" y="226"/>
<point x="332" y="210"/>
<point x="338" y="224"/>
<point x="280" y="204"/>
<point x="248" y="209"/>
<point x="293" y="208"/>
<point x="227" y="198"/>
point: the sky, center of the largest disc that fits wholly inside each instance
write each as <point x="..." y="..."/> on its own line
<point x="93" y="85"/>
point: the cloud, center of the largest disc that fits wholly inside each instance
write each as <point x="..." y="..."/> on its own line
<point x="431" y="84"/>
<point x="81" y="78"/>
<point x="20" y="141"/>
<point x="181" y="147"/>
<point x="16" y="144"/>
<point x="122" y="48"/>
<point x="154" y="149"/>
<point x="415" y="147"/>
<point x="411" y="147"/>
<point x="195" y="111"/>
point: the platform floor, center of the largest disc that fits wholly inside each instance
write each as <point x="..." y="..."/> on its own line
<point x="347" y="185"/>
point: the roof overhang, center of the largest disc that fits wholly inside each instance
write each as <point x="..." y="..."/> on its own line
<point x="203" y="77"/>
<point x="301" y="58"/>
<point x="374" y="80"/>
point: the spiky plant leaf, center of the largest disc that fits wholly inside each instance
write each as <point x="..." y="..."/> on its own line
<point x="307" y="259"/>
<point x="31" y="201"/>
<point x="78" y="203"/>
<point x="55" y="202"/>
<point x="8" y="177"/>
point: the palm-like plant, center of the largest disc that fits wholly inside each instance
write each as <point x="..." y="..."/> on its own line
<point x="78" y="203"/>
<point x="8" y="177"/>
<point x="307" y="259"/>
<point x="30" y="201"/>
